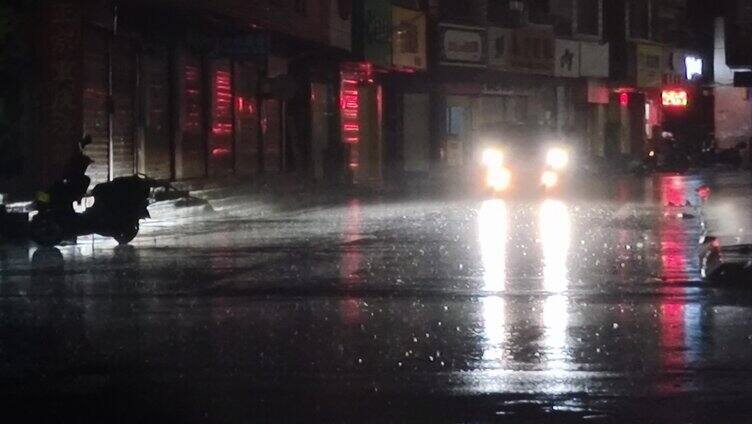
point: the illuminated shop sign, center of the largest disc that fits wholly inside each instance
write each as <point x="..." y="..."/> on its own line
<point x="694" y="67"/>
<point x="678" y="98"/>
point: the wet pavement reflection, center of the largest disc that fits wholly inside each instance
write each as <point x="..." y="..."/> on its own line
<point x="589" y="306"/>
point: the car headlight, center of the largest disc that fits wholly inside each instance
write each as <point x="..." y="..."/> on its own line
<point x="499" y="178"/>
<point x="557" y="158"/>
<point x="550" y="179"/>
<point x="492" y="158"/>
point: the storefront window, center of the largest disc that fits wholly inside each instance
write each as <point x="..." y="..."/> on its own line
<point x="455" y="120"/>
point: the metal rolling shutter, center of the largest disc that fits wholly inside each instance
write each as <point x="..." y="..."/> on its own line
<point x="95" y="115"/>
<point x="123" y="90"/>
<point x="190" y="152"/>
<point x="272" y="132"/>
<point x="247" y="155"/>
<point x="155" y="152"/>
<point x="222" y="133"/>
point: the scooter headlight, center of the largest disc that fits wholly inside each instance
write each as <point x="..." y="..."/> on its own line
<point x="557" y="158"/>
<point x="42" y="197"/>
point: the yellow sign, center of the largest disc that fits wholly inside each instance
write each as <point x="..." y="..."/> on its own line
<point x="675" y="98"/>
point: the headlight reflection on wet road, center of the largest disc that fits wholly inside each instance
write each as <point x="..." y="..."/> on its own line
<point x="555" y="234"/>
<point x="493" y="228"/>
<point x="554" y="225"/>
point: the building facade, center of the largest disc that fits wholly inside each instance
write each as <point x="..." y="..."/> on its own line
<point x="540" y="63"/>
<point x="361" y="92"/>
<point x="732" y="71"/>
<point x="185" y="90"/>
<point x="658" y="76"/>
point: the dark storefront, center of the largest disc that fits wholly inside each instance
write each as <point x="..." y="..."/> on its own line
<point x="176" y="92"/>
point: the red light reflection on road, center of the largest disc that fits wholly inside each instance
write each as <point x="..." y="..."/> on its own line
<point x="676" y="254"/>
<point x="351" y="261"/>
<point x="676" y="259"/>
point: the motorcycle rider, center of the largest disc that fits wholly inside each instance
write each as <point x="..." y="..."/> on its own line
<point x="118" y="205"/>
<point x="74" y="184"/>
<point x="71" y="187"/>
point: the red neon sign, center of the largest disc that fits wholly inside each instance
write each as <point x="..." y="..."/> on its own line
<point x="352" y="76"/>
<point x="677" y="98"/>
<point x="624" y="99"/>
<point x="222" y="125"/>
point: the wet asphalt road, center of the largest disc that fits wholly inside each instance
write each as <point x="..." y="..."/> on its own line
<point x="441" y="309"/>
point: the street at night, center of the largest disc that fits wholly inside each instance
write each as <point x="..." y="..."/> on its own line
<point x="450" y="308"/>
<point x="376" y="211"/>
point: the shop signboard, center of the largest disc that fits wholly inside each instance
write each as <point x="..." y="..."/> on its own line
<point x="408" y="38"/>
<point x="500" y="48"/>
<point x="528" y="50"/>
<point x="567" y="59"/>
<point x="594" y="59"/>
<point x="649" y="66"/>
<point x="533" y="51"/>
<point x="682" y="66"/>
<point x="377" y="47"/>
<point x="462" y="45"/>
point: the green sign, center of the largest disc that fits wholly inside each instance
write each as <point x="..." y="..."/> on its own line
<point x="377" y="47"/>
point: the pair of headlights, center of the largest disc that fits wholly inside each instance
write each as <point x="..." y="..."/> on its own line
<point x="556" y="158"/>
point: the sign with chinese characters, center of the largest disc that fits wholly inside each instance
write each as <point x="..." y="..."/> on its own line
<point x="528" y="50"/>
<point x="352" y="76"/>
<point x="533" y="51"/>
<point x="499" y="47"/>
<point x="567" y="59"/>
<point x="462" y="45"/>
<point x="649" y="72"/>
<point x="594" y="60"/>
<point x="408" y="38"/>
<point x="675" y="98"/>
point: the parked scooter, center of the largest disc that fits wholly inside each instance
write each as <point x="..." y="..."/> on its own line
<point x="119" y="205"/>
<point x="668" y="154"/>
